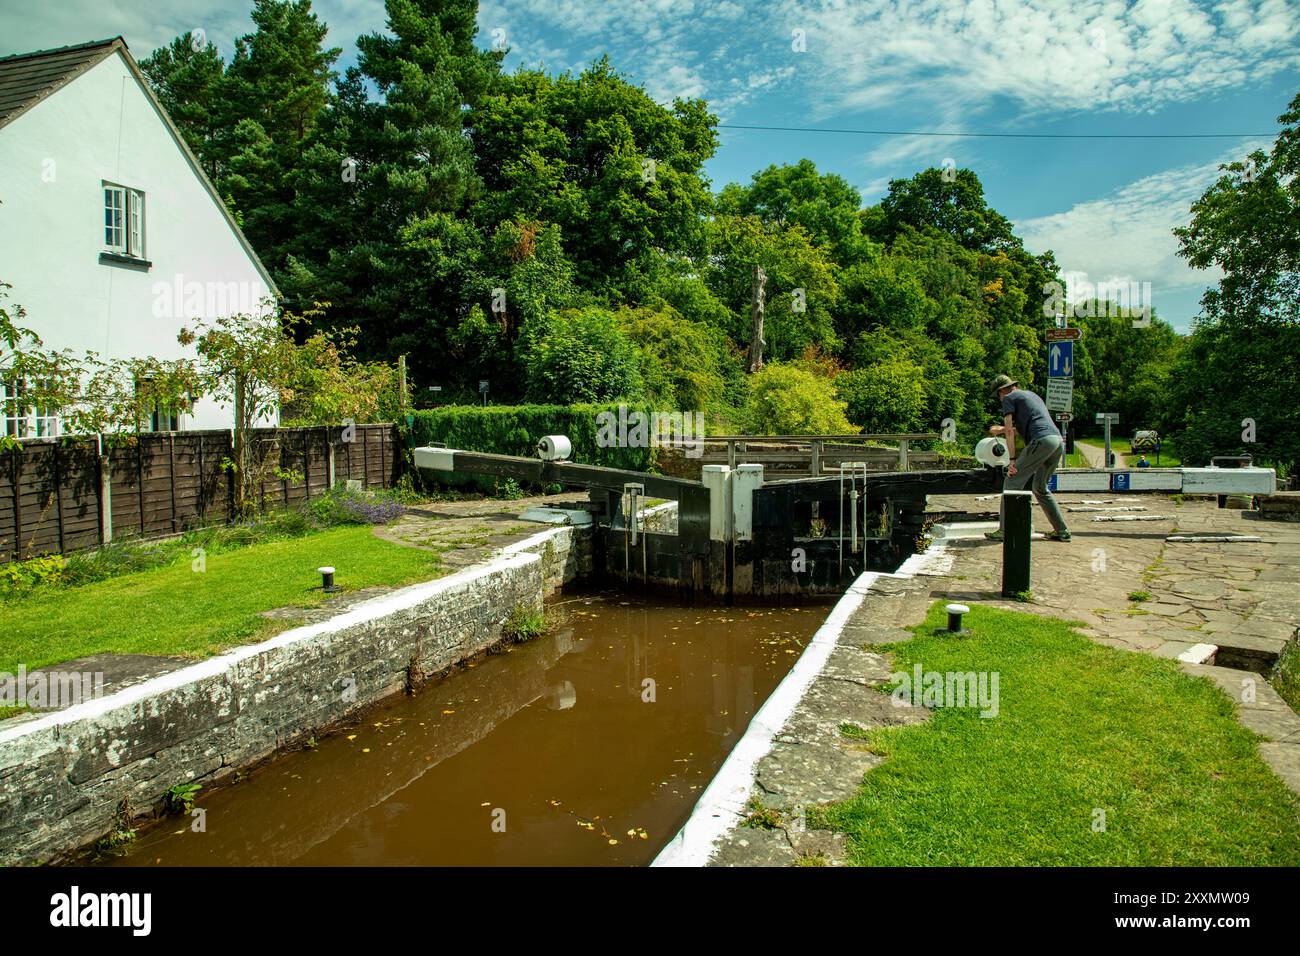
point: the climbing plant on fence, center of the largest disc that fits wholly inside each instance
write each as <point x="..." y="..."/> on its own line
<point x="515" y="429"/>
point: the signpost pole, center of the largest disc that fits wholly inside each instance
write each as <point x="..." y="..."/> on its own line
<point x="1106" y="419"/>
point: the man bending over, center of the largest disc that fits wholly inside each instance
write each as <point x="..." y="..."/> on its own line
<point x="1026" y="414"/>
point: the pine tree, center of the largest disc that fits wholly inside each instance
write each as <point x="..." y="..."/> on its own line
<point x="188" y="78"/>
<point x="276" y="91"/>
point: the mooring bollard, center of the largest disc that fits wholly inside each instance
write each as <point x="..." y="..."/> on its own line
<point x="1017" y="527"/>
<point x="955" y="611"/>
<point x="327" y="580"/>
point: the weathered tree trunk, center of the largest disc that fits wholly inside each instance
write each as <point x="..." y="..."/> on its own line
<point x="756" y="342"/>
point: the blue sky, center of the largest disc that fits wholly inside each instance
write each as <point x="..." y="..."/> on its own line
<point x="1105" y="66"/>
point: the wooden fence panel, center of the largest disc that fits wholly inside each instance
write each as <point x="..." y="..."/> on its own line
<point x="124" y="477"/>
<point x="318" y="471"/>
<point x="156" y="491"/>
<point x="164" y="483"/>
<point x="38" y="500"/>
<point x="9" y="543"/>
<point x="79" y="495"/>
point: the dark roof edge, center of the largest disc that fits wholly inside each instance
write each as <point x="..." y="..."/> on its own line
<point x="62" y="49"/>
<point x="108" y="47"/>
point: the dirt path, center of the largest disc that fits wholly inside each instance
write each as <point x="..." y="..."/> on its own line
<point x="1095" y="456"/>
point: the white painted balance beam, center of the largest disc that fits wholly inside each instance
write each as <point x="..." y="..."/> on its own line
<point x="1189" y="481"/>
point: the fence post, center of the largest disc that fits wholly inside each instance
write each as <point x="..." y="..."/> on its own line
<point x="1017" y="528"/>
<point x="902" y="454"/>
<point x="105" y="492"/>
<point x="203" y="485"/>
<point x="306" y="464"/>
<point x="365" y="456"/>
<point x="139" y="478"/>
<point x="171" y="476"/>
<point x="16" y="473"/>
<point x="58" y="495"/>
<point x="329" y="458"/>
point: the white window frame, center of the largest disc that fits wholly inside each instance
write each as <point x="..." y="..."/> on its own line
<point x="22" y="420"/>
<point x="160" y="416"/>
<point x="15" y="424"/>
<point x="49" y="421"/>
<point x="124" y="225"/>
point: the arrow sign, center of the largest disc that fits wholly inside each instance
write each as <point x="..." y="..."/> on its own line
<point x="1070" y="334"/>
<point x="1060" y="360"/>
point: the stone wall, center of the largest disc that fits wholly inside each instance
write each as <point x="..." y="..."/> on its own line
<point x="64" y="776"/>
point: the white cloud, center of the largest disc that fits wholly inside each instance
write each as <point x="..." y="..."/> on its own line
<point x="1042" y="54"/>
<point x="1128" y="236"/>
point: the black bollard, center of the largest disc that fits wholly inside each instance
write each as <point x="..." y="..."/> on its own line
<point x="1017" y="527"/>
<point x="327" y="580"/>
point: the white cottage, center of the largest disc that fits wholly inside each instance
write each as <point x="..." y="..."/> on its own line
<point x="111" y="234"/>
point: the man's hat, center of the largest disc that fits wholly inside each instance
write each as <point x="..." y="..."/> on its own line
<point x="1002" y="381"/>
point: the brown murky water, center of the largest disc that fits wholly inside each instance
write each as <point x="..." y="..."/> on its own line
<point x="547" y="754"/>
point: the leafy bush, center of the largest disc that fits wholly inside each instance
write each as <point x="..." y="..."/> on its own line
<point x="18" y="577"/>
<point x="582" y="355"/>
<point x="786" y="400"/>
<point x="887" y="397"/>
<point x="681" y="361"/>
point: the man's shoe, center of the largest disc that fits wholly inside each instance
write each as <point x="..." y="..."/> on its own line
<point x="1059" y="536"/>
<point x="994" y="535"/>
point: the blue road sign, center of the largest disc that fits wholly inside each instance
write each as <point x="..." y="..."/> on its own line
<point x="1051" y="483"/>
<point x="1119" y="481"/>
<point x="1060" y="360"/>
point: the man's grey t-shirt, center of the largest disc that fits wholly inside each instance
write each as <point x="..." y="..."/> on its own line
<point x="1030" y="415"/>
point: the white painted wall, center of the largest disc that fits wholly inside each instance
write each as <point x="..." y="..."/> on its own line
<point x="54" y="160"/>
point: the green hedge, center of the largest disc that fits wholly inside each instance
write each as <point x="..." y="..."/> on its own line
<point x="515" y="430"/>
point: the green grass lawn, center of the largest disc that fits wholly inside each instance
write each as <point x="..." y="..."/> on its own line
<point x="176" y="611"/>
<point x="1081" y="728"/>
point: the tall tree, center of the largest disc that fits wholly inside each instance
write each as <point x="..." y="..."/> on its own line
<point x="428" y="70"/>
<point x="825" y="205"/>
<point x="275" y="93"/>
<point x="619" y="173"/>
<point x="1236" y="384"/>
<point x="188" y="78"/>
<point x="381" y="195"/>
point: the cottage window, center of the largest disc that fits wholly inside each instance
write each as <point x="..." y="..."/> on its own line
<point x="48" y="422"/>
<point x="161" y="417"/>
<point x="124" y="220"/>
<point x="19" y="416"/>
<point x="12" y="393"/>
